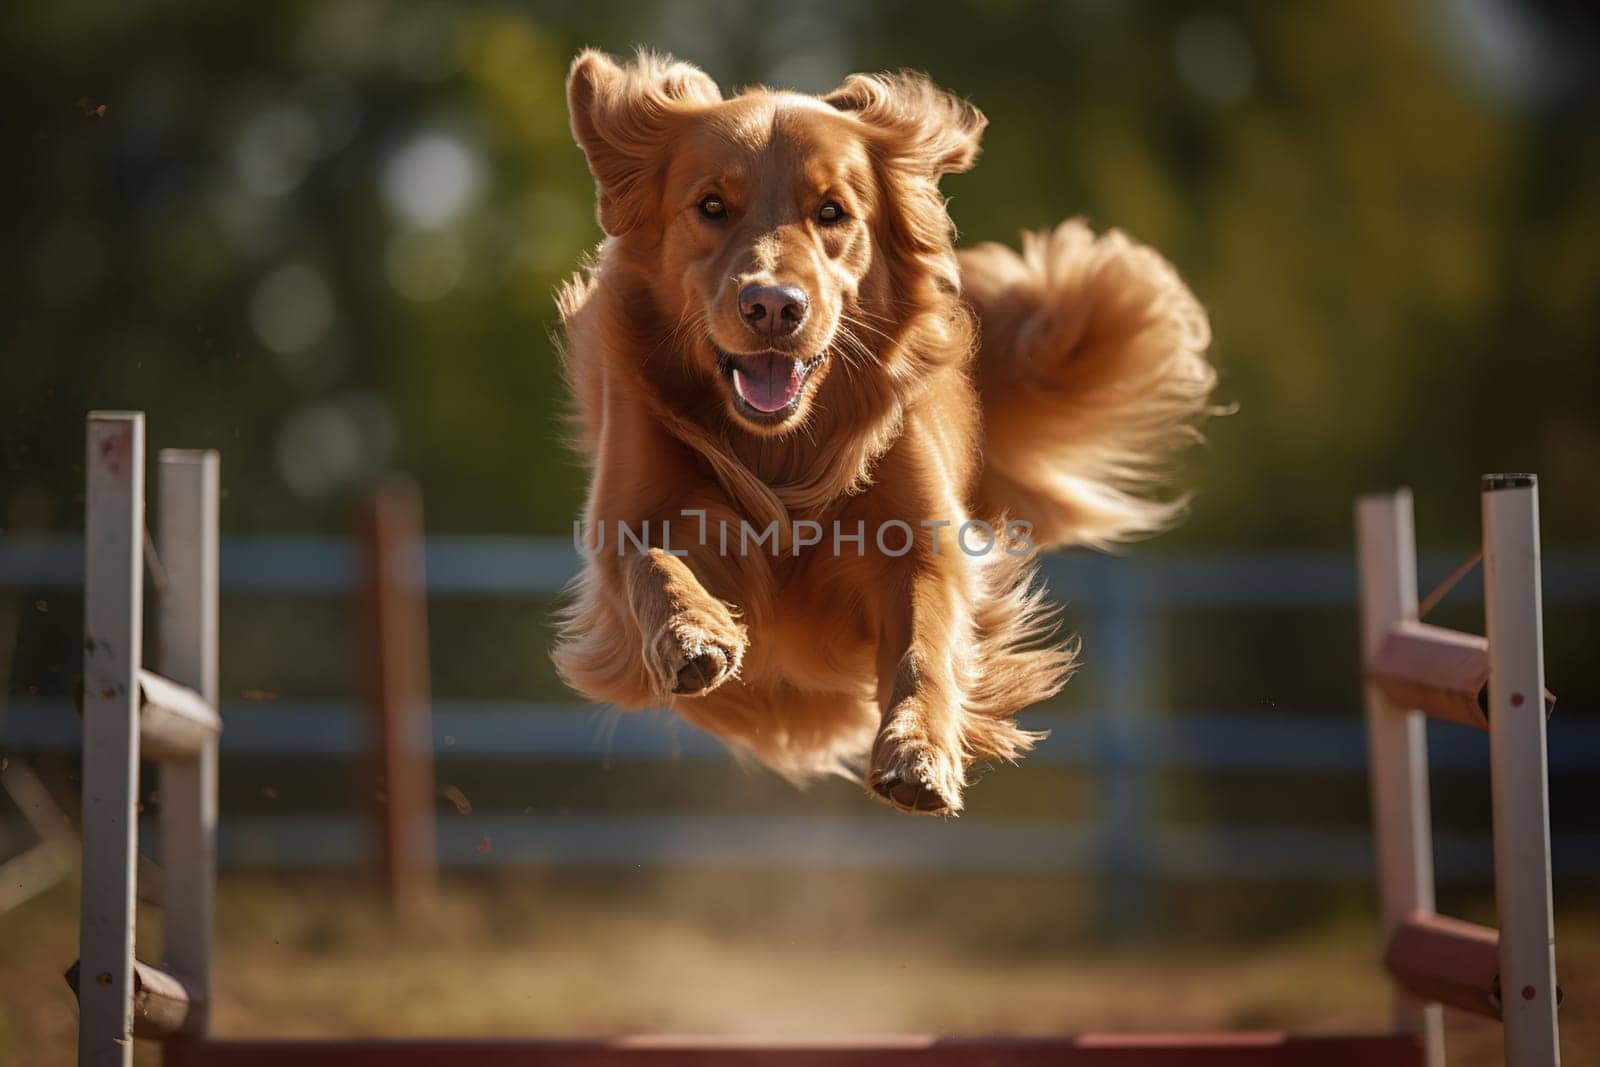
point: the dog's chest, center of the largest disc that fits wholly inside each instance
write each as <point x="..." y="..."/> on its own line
<point x="819" y="627"/>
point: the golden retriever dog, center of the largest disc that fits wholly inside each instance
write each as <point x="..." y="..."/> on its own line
<point x="823" y="443"/>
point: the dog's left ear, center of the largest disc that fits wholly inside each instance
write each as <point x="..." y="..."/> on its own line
<point x="622" y="117"/>
<point x="924" y="125"/>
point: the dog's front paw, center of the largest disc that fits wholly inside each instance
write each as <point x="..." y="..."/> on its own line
<point x="696" y="651"/>
<point x="916" y="775"/>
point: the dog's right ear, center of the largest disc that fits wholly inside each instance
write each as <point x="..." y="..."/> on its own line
<point x="622" y="116"/>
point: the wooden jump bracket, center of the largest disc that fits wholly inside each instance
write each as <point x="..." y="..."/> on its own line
<point x="1442" y="673"/>
<point x="163" y="1007"/>
<point x="1494" y="683"/>
<point x="1451" y="961"/>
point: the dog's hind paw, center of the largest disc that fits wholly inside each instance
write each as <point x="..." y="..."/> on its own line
<point x="916" y="776"/>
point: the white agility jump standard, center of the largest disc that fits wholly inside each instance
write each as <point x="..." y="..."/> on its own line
<point x="128" y="711"/>
<point x="1496" y="684"/>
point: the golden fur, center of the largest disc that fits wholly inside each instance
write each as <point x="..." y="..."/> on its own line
<point x="1091" y="372"/>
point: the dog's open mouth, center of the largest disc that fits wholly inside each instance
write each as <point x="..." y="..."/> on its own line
<point x="767" y="385"/>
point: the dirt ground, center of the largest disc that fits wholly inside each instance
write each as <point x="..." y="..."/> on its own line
<point x="317" y="958"/>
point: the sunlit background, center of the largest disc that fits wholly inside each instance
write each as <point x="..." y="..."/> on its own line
<point x="322" y="237"/>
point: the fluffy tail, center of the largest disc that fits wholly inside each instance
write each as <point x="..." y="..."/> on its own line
<point x="1092" y="374"/>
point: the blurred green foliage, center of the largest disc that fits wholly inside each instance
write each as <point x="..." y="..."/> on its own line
<point x="322" y="236"/>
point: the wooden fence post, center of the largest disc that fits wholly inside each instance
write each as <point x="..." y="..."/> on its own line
<point x="394" y="596"/>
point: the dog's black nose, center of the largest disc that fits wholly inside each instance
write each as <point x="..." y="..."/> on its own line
<point x="773" y="309"/>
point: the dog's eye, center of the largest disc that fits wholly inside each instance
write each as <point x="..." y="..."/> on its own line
<point x="712" y="207"/>
<point x="830" y="213"/>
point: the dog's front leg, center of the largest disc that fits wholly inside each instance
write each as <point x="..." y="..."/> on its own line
<point x="917" y="761"/>
<point x="692" y="642"/>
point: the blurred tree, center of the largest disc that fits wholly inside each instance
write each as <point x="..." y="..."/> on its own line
<point x="323" y="236"/>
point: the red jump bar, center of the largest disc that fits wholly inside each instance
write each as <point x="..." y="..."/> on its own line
<point x="1254" y="1049"/>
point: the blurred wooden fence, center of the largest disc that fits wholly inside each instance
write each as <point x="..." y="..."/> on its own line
<point x="1123" y="743"/>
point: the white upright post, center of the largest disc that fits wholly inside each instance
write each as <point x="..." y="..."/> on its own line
<point x="188" y="655"/>
<point x="1512" y="612"/>
<point x="1397" y="740"/>
<point x="112" y="632"/>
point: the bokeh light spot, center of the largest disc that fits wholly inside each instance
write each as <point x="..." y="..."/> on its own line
<point x="432" y="180"/>
<point x="424" y="265"/>
<point x="291" y="309"/>
<point x="319" y="449"/>
<point x="1214" y="58"/>
<point x="275" y="150"/>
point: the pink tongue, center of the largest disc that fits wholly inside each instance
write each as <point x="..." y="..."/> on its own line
<point x="767" y="382"/>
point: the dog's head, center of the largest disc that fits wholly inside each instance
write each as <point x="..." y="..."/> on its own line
<point x="773" y="237"/>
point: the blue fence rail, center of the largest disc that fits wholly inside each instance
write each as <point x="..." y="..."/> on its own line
<point x="1125" y="742"/>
